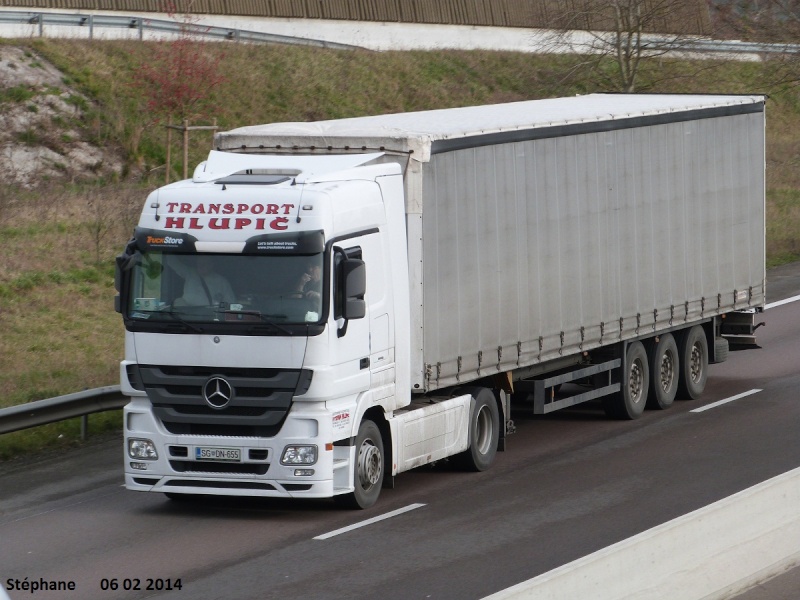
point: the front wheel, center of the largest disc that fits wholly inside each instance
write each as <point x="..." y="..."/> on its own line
<point x="368" y="471"/>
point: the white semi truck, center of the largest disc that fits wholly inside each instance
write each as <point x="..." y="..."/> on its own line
<point x="326" y="305"/>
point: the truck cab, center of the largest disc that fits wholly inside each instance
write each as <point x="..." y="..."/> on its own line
<point x="261" y="307"/>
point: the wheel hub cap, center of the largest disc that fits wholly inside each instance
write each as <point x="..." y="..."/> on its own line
<point x="696" y="363"/>
<point x="369" y="464"/>
<point x="635" y="382"/>
<point x="667" y="371"/>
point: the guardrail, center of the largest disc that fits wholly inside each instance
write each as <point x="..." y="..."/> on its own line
<point x="141" y="24"/>
<point x="50" y="410"/>
<point x="724" y="46"/>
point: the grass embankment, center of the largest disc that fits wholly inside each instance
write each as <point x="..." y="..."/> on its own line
<point x="58" y="331"/>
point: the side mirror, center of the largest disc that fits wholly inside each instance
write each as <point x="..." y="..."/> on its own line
<point x="119" y="267"/>
<point x="354" y="286"/>
<point x="124" y="262"/>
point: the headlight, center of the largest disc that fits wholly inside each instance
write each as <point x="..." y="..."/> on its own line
<point x="142" y="449"/>
<point x="299" y="455"/>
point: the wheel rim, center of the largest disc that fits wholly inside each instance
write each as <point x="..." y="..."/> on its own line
<point x="483" y="430"/>
<point x="696" y="363"/>
<point x="369" y="464"/>
<point x="636" y="381"/>
<point x="667" y="371"/>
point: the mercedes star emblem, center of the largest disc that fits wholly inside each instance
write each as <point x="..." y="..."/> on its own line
<point x="217" y="392"/>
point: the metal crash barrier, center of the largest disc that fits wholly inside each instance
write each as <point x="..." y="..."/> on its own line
<point x="142" y="25"/>
<point x="60" y="408"/>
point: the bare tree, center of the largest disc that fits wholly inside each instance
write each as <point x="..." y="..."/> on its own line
<point x="774" y="22"/>
<point x="623" y="34"/>
<point x="756" y="20"/>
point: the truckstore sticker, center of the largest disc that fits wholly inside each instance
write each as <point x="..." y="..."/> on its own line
<point x="341" y="420"/>
<point x="247" y="216"/>
<point x="164" y="241"/>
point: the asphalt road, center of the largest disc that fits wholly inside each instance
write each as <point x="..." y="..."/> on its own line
<point x="569" y="484"/>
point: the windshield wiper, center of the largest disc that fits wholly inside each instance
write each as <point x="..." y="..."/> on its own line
<point x="183" y="322"/>
<point x="255" y="316"/>
<point x="271" y="325"/>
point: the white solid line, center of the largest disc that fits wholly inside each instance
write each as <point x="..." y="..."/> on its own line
<point x="389" y="515"/>
<point x="721" y="402"/>
<point x="781" y="302"/>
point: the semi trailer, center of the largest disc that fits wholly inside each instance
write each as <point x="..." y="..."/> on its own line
<point x="326" y="305"/>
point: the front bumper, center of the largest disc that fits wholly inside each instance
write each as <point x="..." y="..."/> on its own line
<point x="258" y="472"/>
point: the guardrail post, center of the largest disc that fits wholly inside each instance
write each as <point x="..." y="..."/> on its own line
<point x="185" y="148"/>
<point x="169" y="154"/>
<point x="84" y="427"/>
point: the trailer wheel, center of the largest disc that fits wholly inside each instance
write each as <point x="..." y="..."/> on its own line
<point x="694" y="363"/>
<point x="629" y="403"/>
<point x="368" y="470"/>
<point x="484" y="431"/>
<point x="664" y="372"/>
<point x="721" y="349"/>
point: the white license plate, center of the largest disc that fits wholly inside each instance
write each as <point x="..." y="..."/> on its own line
<point x="229" y="454"/>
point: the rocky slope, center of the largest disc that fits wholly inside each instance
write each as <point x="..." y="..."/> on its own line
<point x="41" y="139"/>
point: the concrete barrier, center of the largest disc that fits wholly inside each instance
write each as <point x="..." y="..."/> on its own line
<point x="710" y="554"/>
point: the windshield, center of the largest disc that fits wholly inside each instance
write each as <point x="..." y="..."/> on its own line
<point x="230" y="288"/>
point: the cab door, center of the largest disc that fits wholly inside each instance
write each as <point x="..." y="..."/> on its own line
<point x="360" y="312"/>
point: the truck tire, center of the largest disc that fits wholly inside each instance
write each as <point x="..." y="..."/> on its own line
<point x="368" y="470"/>
<point x="484" y="431"/>
<point x="693" y="363"/>
<point x="629" y="403"/>
<point x="664" y="372"/>
<point x="721" y="349"/>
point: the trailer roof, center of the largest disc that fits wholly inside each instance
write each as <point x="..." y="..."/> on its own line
<point x="463" y="127"/>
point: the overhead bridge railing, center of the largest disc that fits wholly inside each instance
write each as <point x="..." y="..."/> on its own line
<point x="60" y="408"/>
<point x="156" y="26"/>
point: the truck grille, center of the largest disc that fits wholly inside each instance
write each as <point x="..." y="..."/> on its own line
<point x="215" y="467"/>
<point x="255" y="405"/>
